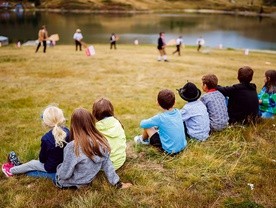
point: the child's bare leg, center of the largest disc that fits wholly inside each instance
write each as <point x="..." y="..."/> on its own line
<point x="147" y="133"/>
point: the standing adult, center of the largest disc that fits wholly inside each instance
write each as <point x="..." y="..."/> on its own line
<point x="200" y="43"/>
<point x="161" y="47"/>
<point x="42" y="37"/>
<point x="78" y="37"/>
<point x="178" y="45"/>
<point x="113" y="41"/>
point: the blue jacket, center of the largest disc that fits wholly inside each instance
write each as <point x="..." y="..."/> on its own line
<point x="49" y="154"/>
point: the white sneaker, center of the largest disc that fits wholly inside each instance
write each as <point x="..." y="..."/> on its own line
<point x="139" y="140"/>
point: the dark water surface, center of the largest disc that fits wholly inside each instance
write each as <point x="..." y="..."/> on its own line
<point x="228" y="30"/>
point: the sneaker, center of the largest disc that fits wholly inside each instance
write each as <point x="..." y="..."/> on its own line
<point x="6" y="167"/>
<point x="12" y="158"/>
<point x="139" y="140"/>
<point x="166" y="60"/>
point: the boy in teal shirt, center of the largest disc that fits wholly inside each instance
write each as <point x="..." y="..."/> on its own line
<point x="164" y="130"/>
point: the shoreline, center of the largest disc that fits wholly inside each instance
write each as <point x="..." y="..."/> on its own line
<point x="207" y="49"/>
<point x="179" y="11"/>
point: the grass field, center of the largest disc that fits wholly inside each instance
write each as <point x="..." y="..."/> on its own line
<point x="215" y="173"/>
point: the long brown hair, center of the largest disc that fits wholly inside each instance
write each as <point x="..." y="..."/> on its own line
<point x="85" y="135"/>
<point x="271" y="81"/>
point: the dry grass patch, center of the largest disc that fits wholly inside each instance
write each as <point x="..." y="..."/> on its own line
<point x="214" y="173"/>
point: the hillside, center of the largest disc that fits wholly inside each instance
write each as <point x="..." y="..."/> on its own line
<point x="269" y="6"/>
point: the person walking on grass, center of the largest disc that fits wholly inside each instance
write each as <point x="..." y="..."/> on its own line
<point x="178" y="45"/>
<point x="267" y="96"/>
<point x="113" y="39"/>
<point x="42" y="38"/>
<point x="78" y="38"/>
<point x="161" y="44"/>
<point x="112" y="129"/>
<point x="165" y="131"/>
<point x="51" y="152"/>
<point x="86" y="155"/>
<point x="200" y="42"/>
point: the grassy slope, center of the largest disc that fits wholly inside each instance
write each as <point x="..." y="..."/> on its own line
<point x="157" y="5"/>
<point x="215" y="173"/>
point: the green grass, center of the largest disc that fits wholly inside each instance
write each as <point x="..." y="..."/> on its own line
<point x="214" y="173"/>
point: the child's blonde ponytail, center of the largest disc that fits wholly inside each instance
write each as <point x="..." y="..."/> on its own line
<point x="53" y="118"/>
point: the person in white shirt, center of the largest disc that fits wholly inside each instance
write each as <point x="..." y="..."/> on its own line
<point x="178" y="45"/>
<point x="78" y="37"/>
<point x="200" y="43"/>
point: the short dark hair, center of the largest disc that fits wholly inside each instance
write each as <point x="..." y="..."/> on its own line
<point x="245" y="74"/>
<point x="102" y="108"/>
<point x="210" y="80"/>
<point x="166" y="99"/>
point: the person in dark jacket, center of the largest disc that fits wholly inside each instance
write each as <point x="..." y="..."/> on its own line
<point x="161" y="44"/>
<point x="243" y="101"/>
<point x="51" y="152"/>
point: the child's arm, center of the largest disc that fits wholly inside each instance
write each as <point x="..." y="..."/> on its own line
<point x="66" y="168"/>
<point x="43" y="151"/>
<point x="112" y="176"/>
<point x="151" y="122"/>
<point x="226" y="91"/>
<point x="109" y="171"/>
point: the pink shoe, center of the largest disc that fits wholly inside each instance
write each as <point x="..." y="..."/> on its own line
<point x="6" y="169"/>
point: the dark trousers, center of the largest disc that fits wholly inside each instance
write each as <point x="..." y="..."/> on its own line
<point x="44" y="46"/>
<point x="78" y="44"/>
<point x="177" y="50"/>
<point x="113" y="44"/>
<point x="198" y="47"/>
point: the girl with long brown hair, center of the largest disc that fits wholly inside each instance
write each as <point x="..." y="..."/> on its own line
<point x="86" y="154"/>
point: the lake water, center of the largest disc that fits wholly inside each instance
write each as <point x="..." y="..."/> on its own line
<point x="229" y="30"/>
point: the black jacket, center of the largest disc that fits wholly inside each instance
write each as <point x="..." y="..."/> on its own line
<point x="243" y="103"/>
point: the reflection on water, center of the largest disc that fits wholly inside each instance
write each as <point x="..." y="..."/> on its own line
<point x="228" y="30"/>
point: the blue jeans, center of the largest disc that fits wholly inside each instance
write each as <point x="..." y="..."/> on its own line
<point x="41" y="174"/>
<point x="266" y="114"/>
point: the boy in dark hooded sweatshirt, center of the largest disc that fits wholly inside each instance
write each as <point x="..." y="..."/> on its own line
<point x="242" y="98"/>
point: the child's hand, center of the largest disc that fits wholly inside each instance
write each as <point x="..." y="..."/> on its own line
<point x="126" y="185"/>
<point x="260" y="101"/>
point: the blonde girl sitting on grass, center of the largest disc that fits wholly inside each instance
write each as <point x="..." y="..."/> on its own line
<point x="86" y="154"/>
<point x="112" y="130"/>
<point x="51" y="152"/>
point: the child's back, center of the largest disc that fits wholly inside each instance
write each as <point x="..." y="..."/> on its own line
<point x="267" y="96"/>
<point x="112" y="129"/>
<point x="215" y="103"/>
<point x="194" y="113"/>
<point x="171" y="131"/>
<point x="243" y="101"/>
<point x="165" y="130"/>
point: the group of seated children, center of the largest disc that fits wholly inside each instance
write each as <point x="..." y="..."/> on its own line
<point x="73" y="159"/>
<point x="218" y="107"/>
<point x="96" y="141"/>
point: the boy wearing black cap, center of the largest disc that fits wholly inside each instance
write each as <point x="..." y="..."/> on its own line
<point x="194" y="113"/>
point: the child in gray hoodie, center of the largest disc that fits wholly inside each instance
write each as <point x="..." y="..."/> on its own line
<point x="85" y="155"/>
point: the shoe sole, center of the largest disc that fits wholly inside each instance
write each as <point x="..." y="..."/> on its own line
<point x="3" y="170"/>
